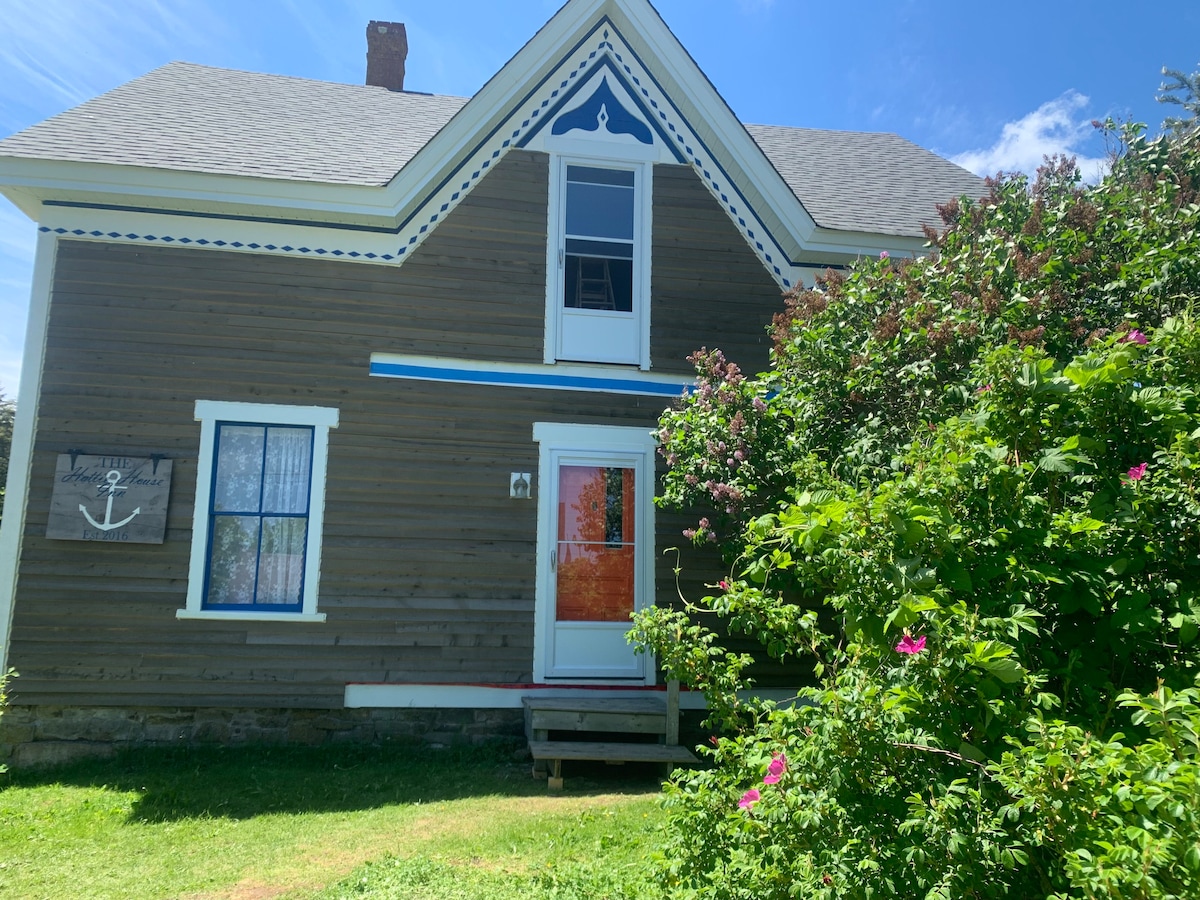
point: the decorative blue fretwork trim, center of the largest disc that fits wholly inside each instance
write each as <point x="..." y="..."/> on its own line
<point x="603" y="109"/>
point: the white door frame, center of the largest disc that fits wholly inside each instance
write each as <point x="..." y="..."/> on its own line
<point x="633" y="329"/>
<point x="591" y="444"/>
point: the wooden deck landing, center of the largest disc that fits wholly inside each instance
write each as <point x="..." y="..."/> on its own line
<point x="648" y="715"/>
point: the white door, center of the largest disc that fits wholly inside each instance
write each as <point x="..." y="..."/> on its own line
<point x="602" y="265"/>
<point x="596" y="558"/>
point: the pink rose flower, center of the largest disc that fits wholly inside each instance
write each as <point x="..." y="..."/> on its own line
<point x="1137" y="473"/>
<point x="909" y="646"/>
<point x="1134" y="337"/>
<point x="749" y="798"/>
<point x="776" y="769"/>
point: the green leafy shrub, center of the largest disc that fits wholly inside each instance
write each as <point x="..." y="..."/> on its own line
<point x="981" y="468"/>
<point x="5" y="678"/>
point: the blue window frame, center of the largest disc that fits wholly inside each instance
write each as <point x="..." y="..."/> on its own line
<point x="258" y="517"/>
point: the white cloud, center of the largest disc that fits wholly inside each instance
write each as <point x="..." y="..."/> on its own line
<point x="1057" y="126"/>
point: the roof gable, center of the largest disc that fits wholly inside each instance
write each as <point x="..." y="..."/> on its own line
<point x="671" y="94"/>
<point x="400" y="162"/>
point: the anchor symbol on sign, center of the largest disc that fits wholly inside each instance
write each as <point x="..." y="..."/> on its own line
<point x="108" y="524"/>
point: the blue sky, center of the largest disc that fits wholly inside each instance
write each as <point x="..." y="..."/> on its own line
<point x="993" y="86"/>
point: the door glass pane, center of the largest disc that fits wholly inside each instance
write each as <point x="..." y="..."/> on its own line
<point x="598" y="283"/>
<point x="600" y="210"/>
<point x="239" y="468"/>
<point x="592" y="175"/>
<point x="596" y="544"/>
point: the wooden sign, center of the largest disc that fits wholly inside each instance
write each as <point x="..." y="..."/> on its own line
<point x="116" y="499"/>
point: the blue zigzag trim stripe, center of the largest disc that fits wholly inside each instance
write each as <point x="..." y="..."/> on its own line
<point x="216" y="242"/>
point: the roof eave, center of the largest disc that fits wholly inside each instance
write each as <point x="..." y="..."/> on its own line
<point x="829" y="241"/>
<point x="29" y="183"/>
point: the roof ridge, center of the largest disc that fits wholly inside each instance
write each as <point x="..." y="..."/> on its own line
<point x="184" y="63"/>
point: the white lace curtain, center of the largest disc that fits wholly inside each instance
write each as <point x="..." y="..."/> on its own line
<point x="260" y="514"/>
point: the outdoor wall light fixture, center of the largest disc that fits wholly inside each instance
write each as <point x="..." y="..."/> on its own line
<point x="519" y="486"/>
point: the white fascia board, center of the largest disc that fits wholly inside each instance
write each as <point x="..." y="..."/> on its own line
<point x="861" y="243"/>
<point x="133" y="185"/>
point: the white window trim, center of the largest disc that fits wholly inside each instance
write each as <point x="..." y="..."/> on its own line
<point x="557" y="439"/>
<point x="208" y="414"/>
<point x="599" y="155"/>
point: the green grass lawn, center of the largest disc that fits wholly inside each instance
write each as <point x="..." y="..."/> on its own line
<point x="393" y="822"/>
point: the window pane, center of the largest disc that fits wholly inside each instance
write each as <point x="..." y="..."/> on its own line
<point x="288" y="466"/>
<point x="281" y="562"/>
<point x="239" y="468"/>
<point x="600" y="176"/>
<point x="595" y="210"/>
<point x="231" y="566"/>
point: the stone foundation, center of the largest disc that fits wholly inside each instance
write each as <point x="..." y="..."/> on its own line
<point x="34" y="736"/>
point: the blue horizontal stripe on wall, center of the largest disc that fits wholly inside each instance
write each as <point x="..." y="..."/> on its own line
<point x="524" y="379"/>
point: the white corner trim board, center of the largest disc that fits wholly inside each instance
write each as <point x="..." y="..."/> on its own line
<point x="21" y="452"/>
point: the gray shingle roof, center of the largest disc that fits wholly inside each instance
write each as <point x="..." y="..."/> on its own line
<point x="194" y="118"/>
<point x="219" y="121"/>
<point x="861" y="181"/>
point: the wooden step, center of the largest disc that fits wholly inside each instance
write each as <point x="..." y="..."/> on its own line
<point x="612" y="751"/>
<point x="605" y="751"/>
<point x="635" y="715"/>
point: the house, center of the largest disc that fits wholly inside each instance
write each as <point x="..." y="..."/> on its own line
<point x="338" y="401"/>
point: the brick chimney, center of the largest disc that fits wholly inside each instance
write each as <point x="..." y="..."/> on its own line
<point x="387" y="47"/>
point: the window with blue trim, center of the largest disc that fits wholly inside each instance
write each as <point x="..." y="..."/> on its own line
<point x="258" y="517"/>
<point x="259" y="511"/>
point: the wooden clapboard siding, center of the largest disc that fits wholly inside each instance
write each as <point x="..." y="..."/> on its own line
<point x="708" y="287"/>
<point x="428" y="568"/>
